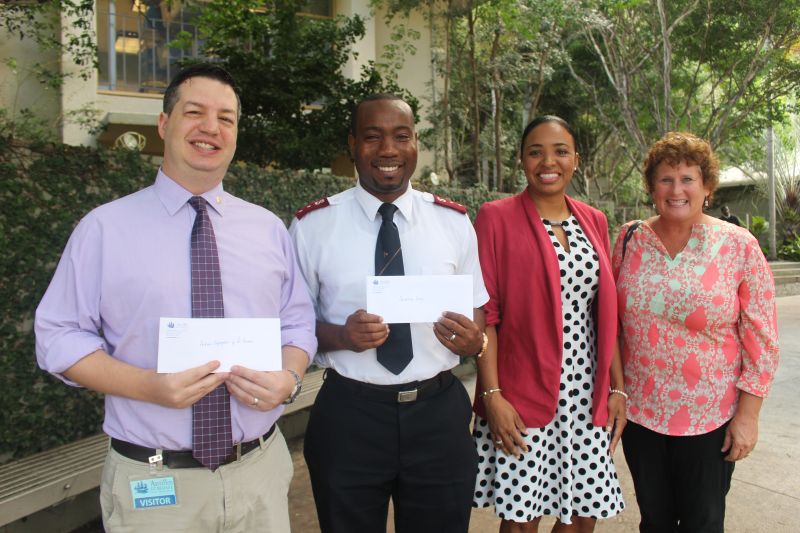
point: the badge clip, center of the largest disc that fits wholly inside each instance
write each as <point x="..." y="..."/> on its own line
<point x="156" y="461"/>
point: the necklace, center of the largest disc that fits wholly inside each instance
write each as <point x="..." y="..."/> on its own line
<point x="559" y="223"/>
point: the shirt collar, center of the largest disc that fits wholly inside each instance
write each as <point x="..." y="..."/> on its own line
<point x="370" y="204"/>
<point x="174" y="196"/>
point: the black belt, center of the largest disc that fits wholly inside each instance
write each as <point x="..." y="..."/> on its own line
<point x="403" y="393"/>
<point x="182" y="458"/>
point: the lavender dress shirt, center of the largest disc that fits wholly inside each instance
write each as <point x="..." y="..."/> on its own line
<point x="127" y="264"/>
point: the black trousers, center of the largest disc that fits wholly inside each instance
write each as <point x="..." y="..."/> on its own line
<point x="680" y="482"/>
<point x="361" y="452"/>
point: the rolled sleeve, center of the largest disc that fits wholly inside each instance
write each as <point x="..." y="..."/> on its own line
<point x="67" y="324"/>
<point x="758" y="330"/>
<point x="297" y="316"/>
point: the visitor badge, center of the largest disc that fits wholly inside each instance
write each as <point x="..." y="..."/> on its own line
<point x="153" y="492"/>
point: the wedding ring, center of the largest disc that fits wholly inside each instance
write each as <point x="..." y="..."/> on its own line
<point x="254" y="402"/>
<point x="453" y="337"/>
<point x="498" y="442"/>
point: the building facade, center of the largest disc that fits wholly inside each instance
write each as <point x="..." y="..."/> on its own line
<point x="135" y="65"/>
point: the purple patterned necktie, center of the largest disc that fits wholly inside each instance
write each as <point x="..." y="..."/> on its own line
<point x="211" y="415"/>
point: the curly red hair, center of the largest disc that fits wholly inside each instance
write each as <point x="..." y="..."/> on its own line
<point x="675" y="148"/>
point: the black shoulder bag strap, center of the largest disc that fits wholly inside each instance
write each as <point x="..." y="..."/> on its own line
<point x="628" y="235"/>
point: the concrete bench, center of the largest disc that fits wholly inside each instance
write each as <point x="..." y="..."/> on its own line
<point x="47" y="478"/>
<point x="51" y="477"/>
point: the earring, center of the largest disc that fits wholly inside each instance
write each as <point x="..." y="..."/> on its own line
<point x="705" y="203"/>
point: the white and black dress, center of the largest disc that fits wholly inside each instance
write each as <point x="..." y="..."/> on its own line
<point x="568" y="470"/>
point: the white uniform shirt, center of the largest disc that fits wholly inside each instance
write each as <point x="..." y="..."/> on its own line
<point x="336" y="251"/>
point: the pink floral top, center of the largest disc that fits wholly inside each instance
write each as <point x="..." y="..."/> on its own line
<point x="694" y="328"/>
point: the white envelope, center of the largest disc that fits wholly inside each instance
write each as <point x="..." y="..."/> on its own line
<point x="185" y="343"/>
<point x="401" y="299"/>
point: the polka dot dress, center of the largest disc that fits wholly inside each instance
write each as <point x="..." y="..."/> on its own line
<point x="568" y="470"/>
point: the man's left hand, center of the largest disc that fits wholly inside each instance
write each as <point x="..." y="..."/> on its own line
<point x="459" y="334"/>
<point x="260" y="390"/>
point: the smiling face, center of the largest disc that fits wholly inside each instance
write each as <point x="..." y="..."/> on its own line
<point x="200" y="134"/>
<point x="549" y="159"/>
<point x="679" y="192"/>
<point x="384" y="147"/>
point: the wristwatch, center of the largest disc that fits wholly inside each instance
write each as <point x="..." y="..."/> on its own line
<point x="298" y="384"/>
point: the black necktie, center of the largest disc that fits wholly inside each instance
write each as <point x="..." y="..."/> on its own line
<point x="396" y="352"/>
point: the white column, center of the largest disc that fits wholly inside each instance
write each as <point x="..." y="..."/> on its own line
<point x="76" y="93"/>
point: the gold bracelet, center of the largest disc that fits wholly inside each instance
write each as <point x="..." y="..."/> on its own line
<point x="489" y="392"/>
<point x="483" y="348"/>
<point x="620" y="392"/>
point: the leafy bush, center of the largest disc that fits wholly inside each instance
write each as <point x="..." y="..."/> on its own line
<point x="790" y="250"/>
<point x="758" y="226"/>
<point x="46" y="189"/>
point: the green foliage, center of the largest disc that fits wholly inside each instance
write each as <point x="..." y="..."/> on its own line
<point x="65" y="40"/>
<point x="758" y="226"/>
<point x="719" y="69"/>
<point x="296" y="101"/>
<point x="46" y="189"/>
<point x="42" y="22"/>
<point x="619" y="71"/>
<point x="790" y="250"/>
<point x="44" y="194"/>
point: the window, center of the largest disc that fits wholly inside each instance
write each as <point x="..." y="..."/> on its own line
<point x="319" y="8"/>
<point x="133" y="38"/>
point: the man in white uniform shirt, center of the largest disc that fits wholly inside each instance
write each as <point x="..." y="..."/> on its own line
<point x="390" y="421"/>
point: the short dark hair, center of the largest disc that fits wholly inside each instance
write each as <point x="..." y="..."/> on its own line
<point x="372" y="98"/>
<point x="200" y="70"/>
<point x="543" y="119"/>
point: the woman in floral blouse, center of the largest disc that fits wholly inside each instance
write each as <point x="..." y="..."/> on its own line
<point x="699" y="333"/>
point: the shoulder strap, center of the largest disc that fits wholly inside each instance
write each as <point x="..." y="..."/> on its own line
<point x="628" y="235"/>
<point x="313" y="206"/>
<point x="445" y="202"/>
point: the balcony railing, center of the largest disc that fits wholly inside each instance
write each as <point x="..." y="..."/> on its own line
<point x="137" y="56"/>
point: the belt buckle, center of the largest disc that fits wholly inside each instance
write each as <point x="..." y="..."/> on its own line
<point x="405" y="396"/>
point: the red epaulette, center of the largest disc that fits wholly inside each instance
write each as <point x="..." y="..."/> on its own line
<point x="438" y="200"/>
<point x="313" y="206"/>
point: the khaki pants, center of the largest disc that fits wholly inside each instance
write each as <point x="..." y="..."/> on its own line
<point x="244" y="496"/>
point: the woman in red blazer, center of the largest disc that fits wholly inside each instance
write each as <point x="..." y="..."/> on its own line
<point x="551" y="403"/>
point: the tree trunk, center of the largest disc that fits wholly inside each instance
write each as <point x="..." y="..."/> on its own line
<point x="476" y="117"/>
<point x="666" y="66"/>
<point x="448" y="163"/>
<point x="497" y="110"/>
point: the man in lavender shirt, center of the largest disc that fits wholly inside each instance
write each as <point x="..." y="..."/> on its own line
<point x="128" y="263"/>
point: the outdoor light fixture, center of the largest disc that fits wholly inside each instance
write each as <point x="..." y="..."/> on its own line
<point x="127" y="42"/>
<point x="131" y="140"/>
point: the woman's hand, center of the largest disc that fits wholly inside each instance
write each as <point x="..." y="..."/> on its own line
<point x="742" y="432"/>
<point x="616" y="419"/>
<point x="740" y="437"/>
<point x="505" y="425"/>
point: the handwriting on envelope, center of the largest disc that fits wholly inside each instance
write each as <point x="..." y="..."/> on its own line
<point x="400" y="299"/>
<point x="185" y="343"/>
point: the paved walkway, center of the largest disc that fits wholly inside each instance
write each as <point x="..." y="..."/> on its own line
<point x="765" y="495"/>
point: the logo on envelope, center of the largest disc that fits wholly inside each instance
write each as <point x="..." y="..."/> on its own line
<point x="174" y="329"/>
